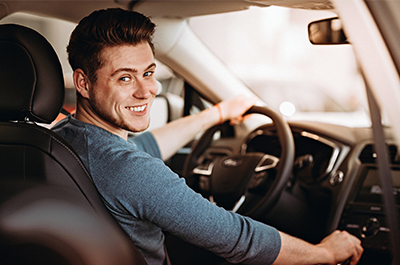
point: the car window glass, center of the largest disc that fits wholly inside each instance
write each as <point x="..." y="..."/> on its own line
<point x="269" y="50"/>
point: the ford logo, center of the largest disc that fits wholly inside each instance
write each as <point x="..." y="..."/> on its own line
<point x="231" y="162"/>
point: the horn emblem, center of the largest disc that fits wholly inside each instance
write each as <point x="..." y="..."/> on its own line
<point x="231" y="162"/>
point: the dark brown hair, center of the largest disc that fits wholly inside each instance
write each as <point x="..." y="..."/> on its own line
<point x="106" y="28"/>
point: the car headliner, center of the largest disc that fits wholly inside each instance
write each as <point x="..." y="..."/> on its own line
<point x="75" y="10"/>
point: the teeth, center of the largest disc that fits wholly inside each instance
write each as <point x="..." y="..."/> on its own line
<point x="137" y="109"/>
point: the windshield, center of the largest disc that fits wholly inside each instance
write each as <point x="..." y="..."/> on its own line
<point x="269" y="50"/>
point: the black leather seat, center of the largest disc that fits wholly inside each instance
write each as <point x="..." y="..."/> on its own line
<point x="38" y="165"/>
<point x="46" y="224"/>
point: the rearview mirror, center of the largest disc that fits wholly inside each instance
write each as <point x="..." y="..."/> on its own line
<point x="327" y="31"/>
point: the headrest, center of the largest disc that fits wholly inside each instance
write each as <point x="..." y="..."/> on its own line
<point x="31" y="77"/>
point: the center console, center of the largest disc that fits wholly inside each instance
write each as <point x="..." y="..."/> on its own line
<point x="364" y="214"/>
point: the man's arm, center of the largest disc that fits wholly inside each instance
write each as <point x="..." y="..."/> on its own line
<point x="335" y="248"/>
<point x="178" y="133"/>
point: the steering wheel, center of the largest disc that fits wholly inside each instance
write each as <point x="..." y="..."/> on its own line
<point x="250" y="183"/>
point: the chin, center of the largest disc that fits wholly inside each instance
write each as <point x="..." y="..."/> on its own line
<point x="138" y="128"/>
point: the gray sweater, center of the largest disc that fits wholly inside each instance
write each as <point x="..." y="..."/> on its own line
<point x="146" y="197"/>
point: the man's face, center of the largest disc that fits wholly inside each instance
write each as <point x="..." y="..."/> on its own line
<point x="125" y="88"/>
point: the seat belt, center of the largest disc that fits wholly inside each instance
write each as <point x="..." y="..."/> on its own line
<point x="385" y="175"/>
<point x="65" y="112"/>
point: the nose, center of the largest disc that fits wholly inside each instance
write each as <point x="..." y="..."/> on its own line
<point x="143" y="89"/>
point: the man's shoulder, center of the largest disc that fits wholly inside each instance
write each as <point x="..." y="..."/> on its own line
<point x="87" y="139"/>
<point x="70" y="127"/>
<point x="68" y="124"/>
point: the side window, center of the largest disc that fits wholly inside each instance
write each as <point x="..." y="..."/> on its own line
<point x="175" y="98"/>
<point x="194" y="102"/>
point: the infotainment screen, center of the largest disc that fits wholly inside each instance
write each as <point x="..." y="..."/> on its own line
<point x="371" y="188"/>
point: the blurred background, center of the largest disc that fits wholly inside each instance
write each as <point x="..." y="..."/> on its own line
<point x="269" y="50"/>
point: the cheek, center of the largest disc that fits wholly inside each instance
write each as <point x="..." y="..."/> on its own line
<point x="154" y="90"/>
<point x="100" y="91"/>
<point x="155" y="87"/>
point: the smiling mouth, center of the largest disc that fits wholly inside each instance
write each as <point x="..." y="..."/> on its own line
<point x="137" y="109"/>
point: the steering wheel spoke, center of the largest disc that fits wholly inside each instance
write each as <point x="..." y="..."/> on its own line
<point x="204" y="169"/>
<point x="267" y="162"/>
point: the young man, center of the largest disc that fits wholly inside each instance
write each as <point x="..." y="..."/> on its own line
<point x="112" y="55"/>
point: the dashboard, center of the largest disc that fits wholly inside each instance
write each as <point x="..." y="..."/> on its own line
<point x="335" y="185"/>
<point x="364" y="213"/>
<point x="315" y="156"/>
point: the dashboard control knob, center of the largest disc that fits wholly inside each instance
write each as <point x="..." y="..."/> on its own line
<point x="336" y="178"/>
<point x="370" y="228"/>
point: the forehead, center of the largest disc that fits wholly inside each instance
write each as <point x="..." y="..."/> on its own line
<point x="127" y="56"/>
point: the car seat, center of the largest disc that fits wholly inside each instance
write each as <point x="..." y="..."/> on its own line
<point x="34" y="159"/>
<point x="47" y="224"/>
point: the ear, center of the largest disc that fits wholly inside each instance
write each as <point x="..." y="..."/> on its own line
<point x="81" y="83"/>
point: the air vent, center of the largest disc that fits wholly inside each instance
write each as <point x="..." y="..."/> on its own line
<point x="368" y="154"/>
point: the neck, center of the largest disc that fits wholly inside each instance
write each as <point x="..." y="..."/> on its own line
<point x="88" y="116"/>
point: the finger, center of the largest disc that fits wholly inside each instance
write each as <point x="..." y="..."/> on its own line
<point x="236" y="121"/>
<point x="354" y="260"/>
<point x="358" y="251"/>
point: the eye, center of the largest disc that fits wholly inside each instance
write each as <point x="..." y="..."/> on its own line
<point x="148" y="73"/>
<point x="125" y="78"/>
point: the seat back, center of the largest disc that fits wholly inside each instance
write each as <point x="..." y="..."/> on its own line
<point x="32" y="90"/>
<point x="54" y="225"/>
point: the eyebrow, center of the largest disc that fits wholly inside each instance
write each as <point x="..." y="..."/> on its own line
<point x="132" y="70"/>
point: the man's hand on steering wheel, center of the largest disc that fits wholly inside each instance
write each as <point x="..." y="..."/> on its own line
<point x="234" y="108"/>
